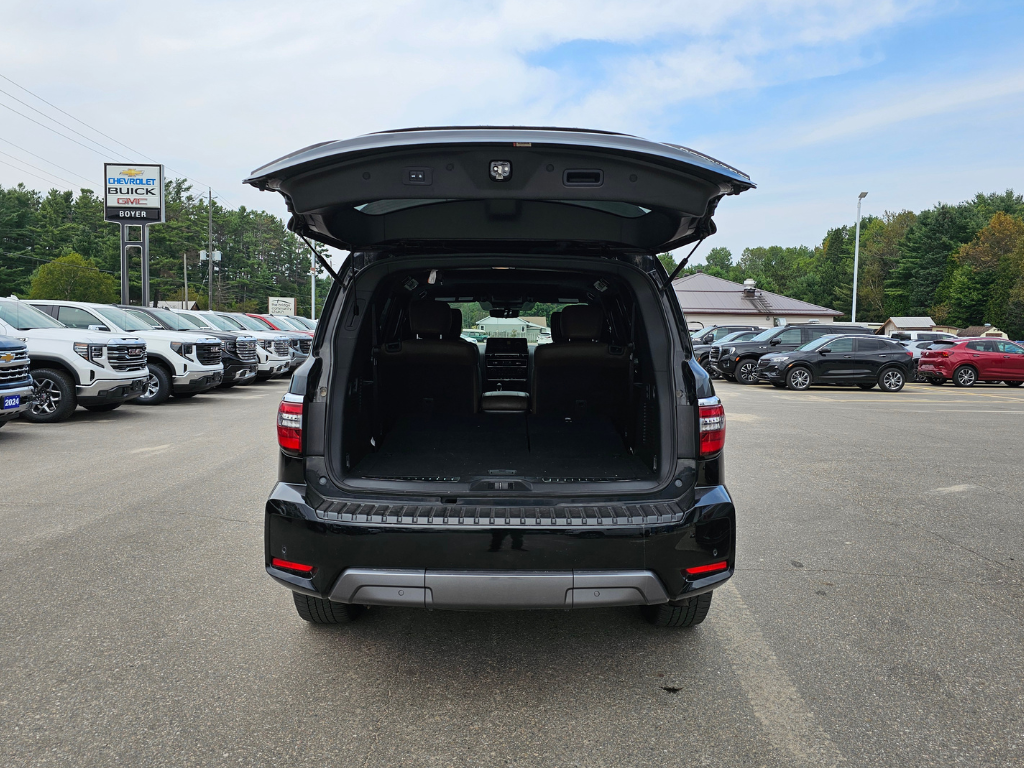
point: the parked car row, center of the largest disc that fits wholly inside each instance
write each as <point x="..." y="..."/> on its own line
<point x="56" y="355"/>
<point x="798" y="356"/>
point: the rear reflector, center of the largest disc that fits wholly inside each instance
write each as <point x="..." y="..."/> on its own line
<point x="699" y="570"/>
<point x="712" y="429"/>
<point x="288" y="565"/>
<point x="289" y="427"/>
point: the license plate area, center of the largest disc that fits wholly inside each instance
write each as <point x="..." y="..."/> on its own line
<point x="11" y="401"/>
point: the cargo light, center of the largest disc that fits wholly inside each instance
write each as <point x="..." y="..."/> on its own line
<point x="288" y="565"/>
<point x="289" y="425"/>
<point x="700" y="570"/>
<point x="712" y="428"/>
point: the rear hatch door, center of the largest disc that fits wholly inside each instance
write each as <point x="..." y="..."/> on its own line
<point x="500" y="190"/>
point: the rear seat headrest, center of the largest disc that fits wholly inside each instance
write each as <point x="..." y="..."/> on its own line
<point x="556" y="326"/>
<point x="455" y="329"/>
<point x="429" y="319"/>
<point x="581" y="322"/>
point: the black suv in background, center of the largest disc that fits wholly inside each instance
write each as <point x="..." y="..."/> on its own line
<point x="703" y="351"/>
<point x="409" y="476"/>
<point x="738" y="361"/>
<point x="718" y="332"/>
<point x="861" y="360"/>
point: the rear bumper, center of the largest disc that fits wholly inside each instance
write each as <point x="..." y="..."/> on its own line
<point x="500" y="557"/>
<point x="104" y="391"/>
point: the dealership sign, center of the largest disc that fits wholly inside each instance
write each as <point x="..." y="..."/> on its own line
<point x="280" y="305"/>
<point x="134" y="194"/>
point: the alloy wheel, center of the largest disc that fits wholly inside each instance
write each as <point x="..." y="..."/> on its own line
<point x="47" y="397"/>
<point x="799" y="378"/>
<point x="746" y="373"/>
<point x="152" y="387"/>
<point x="892" y="380"/>
<point x="966" y="377"/>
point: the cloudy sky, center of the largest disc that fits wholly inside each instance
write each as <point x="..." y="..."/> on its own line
<point x="914" y="101"/>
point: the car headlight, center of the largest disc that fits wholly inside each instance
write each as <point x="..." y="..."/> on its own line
<point x="727" y="350"/>
<point x="90" y="352"/>
<point x="181" y="348"/>
<point x="229" y="345"/>
<point x="266" y="344"/>
<point x="782" y="359"/>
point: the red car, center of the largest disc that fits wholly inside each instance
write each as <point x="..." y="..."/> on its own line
<point x="968" y="361"/>
<point x="277" y="323"/>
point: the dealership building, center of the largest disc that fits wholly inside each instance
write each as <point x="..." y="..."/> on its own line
<point x="709" y="300"/>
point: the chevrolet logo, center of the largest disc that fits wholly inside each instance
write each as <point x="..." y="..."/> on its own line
<point x="132" y="172"/>
<point x="6" y="357"/>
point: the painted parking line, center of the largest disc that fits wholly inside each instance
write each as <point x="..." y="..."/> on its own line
<point x="787" y="721"/>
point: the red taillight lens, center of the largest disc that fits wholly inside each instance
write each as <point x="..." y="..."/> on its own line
<point x="289" y="427"/>
<point x="712" y="429"/>
<point x="946" y="354"/>
<point x="700" y="570"/>
<point x="287" y="565"/>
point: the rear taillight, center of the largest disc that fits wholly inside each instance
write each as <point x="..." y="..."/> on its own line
<point x="712" y="429"/>
<point x="289" y="426"/>
<point x="945" y="354"/>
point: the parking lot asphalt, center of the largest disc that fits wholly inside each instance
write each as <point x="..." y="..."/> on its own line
<point x="875" y="619"/>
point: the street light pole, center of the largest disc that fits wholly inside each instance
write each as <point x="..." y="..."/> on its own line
<point x="210" y="252"/>
<point x="856" y="258"/>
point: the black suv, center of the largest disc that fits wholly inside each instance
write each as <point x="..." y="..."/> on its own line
<point x="861" y="360"/>
<point x="738" y="361"/>
<point x="418" y="470"/>
<point x="718" y="332"/>
<point x="703" y="351"/>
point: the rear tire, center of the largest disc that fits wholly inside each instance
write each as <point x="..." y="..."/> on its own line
<point x="746" y="372"/>
<point x="317" y="611"/>
<point x="1013" y="383"/>
<point x="936" y="382"/>
<point x="678" y="613"/>
<point x="158" y="387"/>
<point x="104" y="408"/>
<point x="965" y="376"/>
<point x="54" y="393"/>
<point x="891" y="380"/>
<point x="798" y="378"/>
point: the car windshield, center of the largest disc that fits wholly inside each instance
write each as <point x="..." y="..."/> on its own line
<point x="224" y="323"/>
<point x="310" y="324"/>
<point x="126" y="322"/>
<point x="176" y="322"/>
<point x="284" y="322"/>
<point x="819" y="342"/>
<point x="247" y="322"/>
<point x="25" y="317"/>
<point x="264" y="325"/>
<point x="765" y="335"/>
<point x="734" y="336"/>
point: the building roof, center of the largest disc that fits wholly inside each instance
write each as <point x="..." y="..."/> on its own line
<point x="912" y="323"/>
<point x="506" y="321"/>
<point x="707" y="294"/>
<point x="979" y="330"/>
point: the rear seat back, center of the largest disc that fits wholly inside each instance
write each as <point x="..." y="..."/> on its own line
<point x="581" y="375"/>
<point x="429" y="375"/>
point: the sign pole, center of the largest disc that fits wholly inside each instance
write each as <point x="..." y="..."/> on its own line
<point x="210" y="251"/>
<point x="124" y="263"/>
<point x="145" y="266"/>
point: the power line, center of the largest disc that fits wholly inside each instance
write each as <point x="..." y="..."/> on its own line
<point x="40" y="157"/>
<point x="21" y="170"/>
<point x="34" y="166"/>
<point x="95" y="130"/>
<point x="12" y="109"/>
<point x="58" y="122"/>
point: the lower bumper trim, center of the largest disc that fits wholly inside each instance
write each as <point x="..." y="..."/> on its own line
<point x="505" y="590"/>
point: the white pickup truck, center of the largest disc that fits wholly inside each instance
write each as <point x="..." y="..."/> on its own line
<point x="72" y="367"/>
<point x="179" y="364"/>
<point x="273" y="349"/>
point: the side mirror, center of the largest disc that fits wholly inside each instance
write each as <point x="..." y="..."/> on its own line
<point x="99" y="328"/>
<point x="824" y="350"/>
<point x="774" y="342"/>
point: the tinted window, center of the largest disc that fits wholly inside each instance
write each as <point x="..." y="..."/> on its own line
<point x="983" y="346"/>
<point x="791" y="336"/>
<point x="126" y="322"/>
<point x="765" y="335"/>
<point x="839" y="345"/>
<point x="25" y="317"/>
<point x="721" y="333"/>
<point x="1009" y="348"/>
<point x="73" y="317"/>
<point x="871" y="345"/>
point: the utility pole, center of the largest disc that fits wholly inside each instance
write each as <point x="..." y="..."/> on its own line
<point x="856" y="258"/>
<point x="209" y="248"/>
<point x="184" y="269"/>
